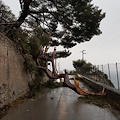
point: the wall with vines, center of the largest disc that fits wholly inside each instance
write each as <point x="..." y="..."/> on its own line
<point x="13" y="76"/>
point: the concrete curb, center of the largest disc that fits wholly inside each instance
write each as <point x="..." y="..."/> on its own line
<point x="111" y="92"/>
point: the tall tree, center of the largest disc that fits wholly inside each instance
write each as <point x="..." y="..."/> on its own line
<point x="82" y="66"/>
<point x="68" y="22"/>
<point x="6" y="16"/>
<point x="79" y="20"/>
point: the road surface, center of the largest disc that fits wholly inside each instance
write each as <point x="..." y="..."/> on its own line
<point x="59" y="104"/>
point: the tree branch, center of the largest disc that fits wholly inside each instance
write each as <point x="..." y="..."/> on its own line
<point x="66" y="82"/>
<point x="42" y="11"/>
<point x="24" y="14"/>
<point x="11" y="23"/>
<point x="55" y="75"/>
<point x="48" y="73"/>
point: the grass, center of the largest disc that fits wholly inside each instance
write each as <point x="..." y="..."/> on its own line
<point x="101" y="101"/>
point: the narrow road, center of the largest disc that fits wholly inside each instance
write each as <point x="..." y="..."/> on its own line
<point x="59" y="104"/>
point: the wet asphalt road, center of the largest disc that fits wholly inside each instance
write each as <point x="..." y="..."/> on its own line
<point x="58" y="104"/>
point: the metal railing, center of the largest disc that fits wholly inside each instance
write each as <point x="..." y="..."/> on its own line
<point x="112" y="71"/>
<point x="108" y="74"/>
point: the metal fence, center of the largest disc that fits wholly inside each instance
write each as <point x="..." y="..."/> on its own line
<point x="112" y="71"/>
<point x="107" y="74"/>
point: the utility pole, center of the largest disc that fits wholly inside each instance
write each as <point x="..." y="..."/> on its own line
<point x="83" y="54"/>
<point x="59" y="66"/>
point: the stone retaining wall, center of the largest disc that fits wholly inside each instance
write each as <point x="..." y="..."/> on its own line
<point x="13" y="77"/>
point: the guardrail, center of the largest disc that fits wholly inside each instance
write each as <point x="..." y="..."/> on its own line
<point x="112" y="70"/>
<point x="111" y="92"/>
<point x="107" y="74"/>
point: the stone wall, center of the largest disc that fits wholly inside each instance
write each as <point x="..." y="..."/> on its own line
<point x="13" y="77"/>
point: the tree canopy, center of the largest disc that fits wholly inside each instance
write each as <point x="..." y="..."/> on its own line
<point x="68" y="21"/>
<point x="82" y="66"/>
<point x="6" y="16"/>
<point x="53" y="22"/>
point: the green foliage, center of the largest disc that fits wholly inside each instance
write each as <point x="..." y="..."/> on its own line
<point x="37" y="38"/>
<point x="79" y="20"/>
<point x="96" y="100"/>
<point x="82" y="67"/>
<point x="36" y="86"/>
<point x="31" y="42"/>
<point x="43" y="37"/>
<point x="29" y="65"/>
<point x="34" y="46"/>
<point x="78" y="63"/>
<point x="72" y="72"/>
<point x="51" y="84"/>
<point x="6" y="15"/>
<point x="63" y="54"/>
<point x="87" y="67"/>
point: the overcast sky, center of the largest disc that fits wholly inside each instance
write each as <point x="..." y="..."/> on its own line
<point x="101" y="49"/>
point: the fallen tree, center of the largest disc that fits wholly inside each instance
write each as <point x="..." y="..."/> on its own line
<point x="78" y="19"/>
<point x="55" y="75"/>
